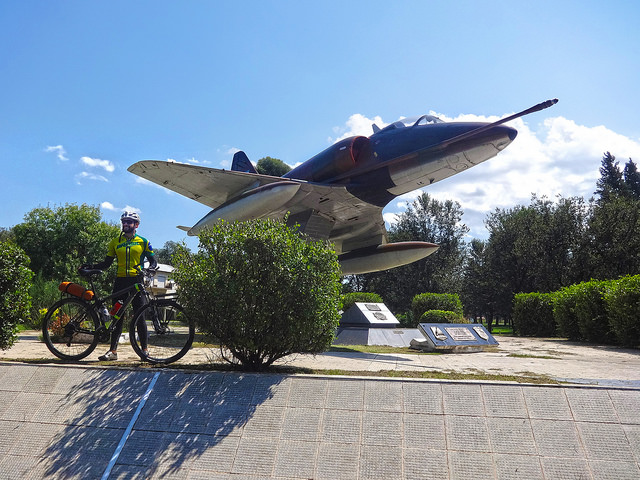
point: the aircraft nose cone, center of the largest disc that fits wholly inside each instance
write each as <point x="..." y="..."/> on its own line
<point x="506" y="136"/>
<point x="511" y="133"/>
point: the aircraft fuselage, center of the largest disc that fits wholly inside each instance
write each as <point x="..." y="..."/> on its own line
<point x="399" y="159"/>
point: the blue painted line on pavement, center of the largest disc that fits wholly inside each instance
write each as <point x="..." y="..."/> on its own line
<point x="127" y="432"/>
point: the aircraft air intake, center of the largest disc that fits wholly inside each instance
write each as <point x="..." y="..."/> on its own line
<point x="339" y="158"/>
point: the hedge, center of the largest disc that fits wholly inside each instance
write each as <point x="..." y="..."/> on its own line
<point x="436" y="301"/>
<point x="564" y="313"/>
<point x="350" y="299"/>
<point x="591" y="311"/>
<point x="441" y="316"/>
<point x="594" y="311"/>
<point x="533" y="315"/>
<point x="623" y="310"/>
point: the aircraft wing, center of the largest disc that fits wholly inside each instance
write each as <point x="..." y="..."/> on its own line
<point x="323" y="211"/>
<point x="331" y="212"/>
<point x="209" y="186"/>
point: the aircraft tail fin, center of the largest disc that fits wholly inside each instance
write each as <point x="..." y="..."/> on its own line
<point x="241" y="163"/>
<point x="375" y="127"/>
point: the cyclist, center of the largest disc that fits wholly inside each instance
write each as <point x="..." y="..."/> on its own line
<point x="130" y="250"/>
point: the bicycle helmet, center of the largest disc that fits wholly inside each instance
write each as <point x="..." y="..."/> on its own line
<point x="126" y="215"/>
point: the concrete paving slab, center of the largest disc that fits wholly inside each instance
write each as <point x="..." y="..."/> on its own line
<point x="60" y="421"/>
<point x="72" y="420"/>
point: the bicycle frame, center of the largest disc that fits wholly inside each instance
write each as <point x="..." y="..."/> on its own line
<point x="98" y="303"/>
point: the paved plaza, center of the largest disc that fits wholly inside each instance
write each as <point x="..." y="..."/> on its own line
<point x="87" y="421"/>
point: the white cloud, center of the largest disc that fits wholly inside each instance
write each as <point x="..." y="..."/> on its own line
<point x="357" y="124"/>
<point x="390" y="218"/>
<point x="129" y="208"/>
<point x="193" y="161"/>
<point x="59" y="150"/>
<point x="144" y="181"/>
<point x="561" y="158"/>
<point x="109" y="206"/>
<point x="89" y="176"/>
<point x="228" y="153"/>
<point x="96" y="162"/>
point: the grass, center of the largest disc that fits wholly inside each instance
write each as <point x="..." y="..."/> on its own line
<point x="502" y="330"/>
<point x="521" y="377"/>
<point x="526" y="355"/>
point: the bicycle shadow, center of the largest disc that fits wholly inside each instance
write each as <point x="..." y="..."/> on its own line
<point x="190" y="420"/>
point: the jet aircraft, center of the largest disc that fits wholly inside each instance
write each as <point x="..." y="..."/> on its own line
<point x="339" y="194"/>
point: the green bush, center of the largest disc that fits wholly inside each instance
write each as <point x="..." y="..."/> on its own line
<point x="591" y="312"/>
<point x="15" y="280"/>
<point x="350" y="299"/>
<point x="436" y="301"/>
<point x="564" y="313"/>
<point x="261" y="289"/>
<point x="44" y="293"/>
<point x="622" y="299"/>
<point x="441" y="316"/>
<point x="533" y="315"/>
<point x="406" y="320"/>
<point x="580" y="312"/>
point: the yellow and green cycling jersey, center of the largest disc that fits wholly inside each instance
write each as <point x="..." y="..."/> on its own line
<point x="129" y="253"/>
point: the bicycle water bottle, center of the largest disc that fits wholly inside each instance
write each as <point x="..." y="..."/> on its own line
<point x="104" y="313"/>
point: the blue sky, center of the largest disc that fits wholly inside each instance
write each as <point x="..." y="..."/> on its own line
<point x="87" y="88"/>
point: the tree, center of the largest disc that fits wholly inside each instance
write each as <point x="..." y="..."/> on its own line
<point x="611" y="180"/>
<point x="272" y="166"/>
<point x="427" y="220"/>
<point x="166" y="253"/>
<point x="479" y="284"/>
<point x="58" y="240"/>
<point x="6" y="235"/>
<point x="614" y="225"/>
<point x="537" y="248"/>
<point x="614" y="238"/>
<point x="261" y="290"/>
<point x="15" y="280"/>
<point x="632" y="179"/>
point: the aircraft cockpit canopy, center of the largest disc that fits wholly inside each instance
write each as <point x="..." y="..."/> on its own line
<point x="412" y="122"/>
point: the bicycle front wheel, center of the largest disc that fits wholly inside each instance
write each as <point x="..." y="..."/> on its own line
<point x="162" y="330"/>
<point x="69" y="329"/>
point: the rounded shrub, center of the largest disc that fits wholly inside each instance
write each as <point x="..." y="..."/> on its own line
<point x="436" y="301"/>
<point x="350" y="299"/>
<point x="15" y="302"/>
<point x="261" y="290"/>
<point x="441" y="316"/>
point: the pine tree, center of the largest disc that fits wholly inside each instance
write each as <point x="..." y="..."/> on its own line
<point x="632" y="179"/>
<point x="611" y="181"/>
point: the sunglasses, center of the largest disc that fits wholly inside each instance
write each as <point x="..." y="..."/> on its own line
<point x="131" y="222"/>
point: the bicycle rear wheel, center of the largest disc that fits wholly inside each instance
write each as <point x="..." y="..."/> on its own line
<point x="163" y="329"/>
<point x="69" y="329"/>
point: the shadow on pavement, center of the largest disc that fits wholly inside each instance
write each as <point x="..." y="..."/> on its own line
<point x="185" y="415"/>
